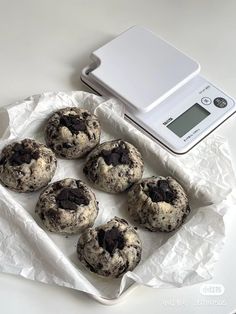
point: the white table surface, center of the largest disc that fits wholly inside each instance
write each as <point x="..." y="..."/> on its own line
<point x="44" y="45"/>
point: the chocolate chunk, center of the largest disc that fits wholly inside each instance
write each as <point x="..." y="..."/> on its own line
<point x="67" y="145"/>
<point x="79" y="184"/>
<point x="65" y="204"/>
<point x="35" y="155"/>
<point x="85" y="115"/>
<point x="161" y="192"/>
<point x="69" y="198"/>
<point x="53" y="215"/>
<point x="110" y="240"/>
<point x="17" y="147"/>
<point x="3" y="160"/>
<point x="56" y="186"/>
<point x="112" y="158"/>
<point x="116" y="156"/>
<point x="22" y="155"/>
<point x="73" y="123"/>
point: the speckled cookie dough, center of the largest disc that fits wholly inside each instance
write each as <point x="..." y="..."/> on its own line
<point x="114" y="166"/>
<point x="72" y="132"/>
<point x="158" y="203"/>
<point x="111" y="249"/>
<point x="67" y="206"/>
<point x="26" y="166"/>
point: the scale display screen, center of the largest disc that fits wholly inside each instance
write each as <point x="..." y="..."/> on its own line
<point x="188" y="120"/>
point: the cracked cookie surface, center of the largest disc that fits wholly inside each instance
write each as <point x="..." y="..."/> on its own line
<point x="114" y="166"/>
<point x="67" y="206"/>
<point x="158" y="203"/>
<point x="111" y="249"/>
<point x="27" y="165"/>
<point x="72" y="132"/>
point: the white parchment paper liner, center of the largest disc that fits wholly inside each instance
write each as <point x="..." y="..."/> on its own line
<point x="177" y="259"/>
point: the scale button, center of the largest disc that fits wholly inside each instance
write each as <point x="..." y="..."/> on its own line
<point x="220" y="102"/>
<point x="206" y="100"/>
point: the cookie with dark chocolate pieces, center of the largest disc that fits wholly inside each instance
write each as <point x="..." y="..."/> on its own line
<point x="158" y="203"/>
<point x="27" y="165"/>
<point x="110" y="250"/>
<point x="67" y="206"/>
<point x="72" y="132"/>
<point x="114" y="166"/>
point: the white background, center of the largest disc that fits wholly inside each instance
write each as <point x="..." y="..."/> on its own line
<point x="43" y="47"/>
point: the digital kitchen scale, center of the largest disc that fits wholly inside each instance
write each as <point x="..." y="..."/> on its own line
<point x="163" y="93"/>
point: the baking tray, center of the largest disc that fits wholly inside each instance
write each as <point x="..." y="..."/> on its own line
<point x="157" y="162"/>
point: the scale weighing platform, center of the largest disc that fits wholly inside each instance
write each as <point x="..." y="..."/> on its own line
<point x="163" y="93"/>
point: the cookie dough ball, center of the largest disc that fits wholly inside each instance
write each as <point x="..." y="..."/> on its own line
<point x="67" y="206"/>
<point x="27" y="166"/>
<point x="72" y="132"/>
<point x="111" y="249"/>
<point x="158" y="203"/>
<point x="114" y="166"/>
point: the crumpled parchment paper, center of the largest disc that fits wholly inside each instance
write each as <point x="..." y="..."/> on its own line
<point x="184" y="257"/>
